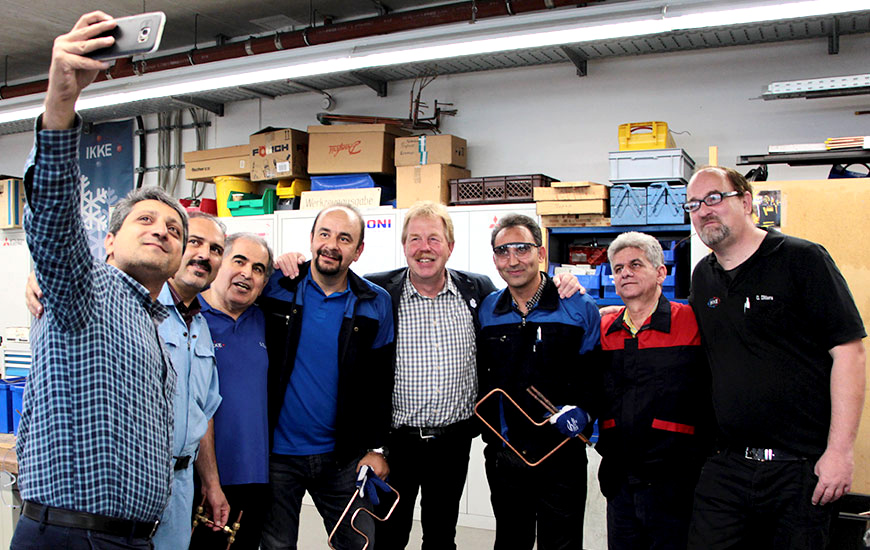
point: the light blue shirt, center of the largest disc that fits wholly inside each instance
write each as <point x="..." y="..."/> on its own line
<point x="196" y="400"/>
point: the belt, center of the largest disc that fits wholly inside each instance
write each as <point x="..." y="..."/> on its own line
<point x="181" y="462"/>
<point x="90" y="522"/>
<point x="425" y="432"/>
<point x="765" y="455"/>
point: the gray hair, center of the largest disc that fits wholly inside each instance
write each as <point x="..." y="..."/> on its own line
<point x="205" y="215"/>
<point x="518" y="220"/>
<point x="649" y="245"/>
<point x="231" y="240"/>
<point x="125" y="206"/>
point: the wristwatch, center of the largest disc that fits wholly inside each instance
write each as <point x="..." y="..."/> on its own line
<point x="383" y="451"/>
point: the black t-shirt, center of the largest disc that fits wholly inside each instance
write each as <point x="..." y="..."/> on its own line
<point x="767" y="332"/>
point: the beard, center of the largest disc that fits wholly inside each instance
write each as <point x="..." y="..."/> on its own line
<point x="714" y="235"/>
<point x="323" y="270"/>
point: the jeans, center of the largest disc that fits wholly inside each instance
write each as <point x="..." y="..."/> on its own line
<point x="437" y="466"/>
<point x="331" y="486"/>
<point x="548" y="499"/>
<point x="252" y="499"/>
<point x="650" y="515"/>
<point x="742" y="503"/>
<point x="31" y="535"/>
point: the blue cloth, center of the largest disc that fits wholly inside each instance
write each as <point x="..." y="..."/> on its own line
<point x="196" y="400"/>
<point x="97" y="419"/>
<point x="306" y="425"/>
<point x="241" y="424"/>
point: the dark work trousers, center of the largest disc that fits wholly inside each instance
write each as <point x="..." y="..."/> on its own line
<point x="31" y="535"/>
<point x="331" y="486"/>
<point x="650" y="515"/>
<point x="742" y="503"/>
<point x="437" y="467"/>
<point x="253" y="500"/>
<point x="549" y="499"/>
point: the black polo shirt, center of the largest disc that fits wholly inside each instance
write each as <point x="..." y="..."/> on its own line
<point x="767" y="334"/>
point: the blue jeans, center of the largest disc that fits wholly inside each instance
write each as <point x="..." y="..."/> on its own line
<point x="650" y="515"/>
<point x="31" y="535"/>
<point x="331" y="486"/>
<point x="547" y="501"/>
<point x="741" y="503"/>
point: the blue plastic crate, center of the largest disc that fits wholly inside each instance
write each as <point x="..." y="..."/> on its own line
<point x="669" y="287"/>
<point x="5" y="408"/>
<point x="608" y="287"/>
<point x="664" y="203"/>
<point x="342" y="181"/>
<point x="592" y="283"/>
<point x="668" y="249"/>
<point x="17" y="390"/>
<point x="628" y="205"/>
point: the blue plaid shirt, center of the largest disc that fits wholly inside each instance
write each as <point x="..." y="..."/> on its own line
<point x="97" y="419"/>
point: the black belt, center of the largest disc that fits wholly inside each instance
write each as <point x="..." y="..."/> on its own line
<point x="423" y="432"/>
<point x="181" y="462"/>
<point x="759" y="454"/>
<point x="91" y="522"/>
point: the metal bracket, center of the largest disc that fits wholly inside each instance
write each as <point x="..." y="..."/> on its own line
<point x="211" y="106"/>
<point x="378" y="85"/>
<point x="834" y="37"/>
<point x="578" y="59"/>
<point x="257" y="93"/>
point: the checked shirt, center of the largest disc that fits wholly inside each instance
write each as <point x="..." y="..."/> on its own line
<point x="97" y="419"/>
<point x="436" y="376"/>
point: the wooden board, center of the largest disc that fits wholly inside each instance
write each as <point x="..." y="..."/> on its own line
<point x="833" y="213"/>
<point x="594" y="206"/>
<point x="575" y="220"/>
<point x="587" y="192"/>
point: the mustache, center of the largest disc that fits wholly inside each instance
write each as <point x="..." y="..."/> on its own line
<point x="333" y="254"/>
<point x="202" y="263"/>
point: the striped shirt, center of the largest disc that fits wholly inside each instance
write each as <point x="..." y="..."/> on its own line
<point x="436" y="374"/>
<point x="97" y="419"/>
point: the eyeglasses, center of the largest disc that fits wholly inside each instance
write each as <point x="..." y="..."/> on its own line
<point x="521" y="250"/>
<point x="710" y="200"/>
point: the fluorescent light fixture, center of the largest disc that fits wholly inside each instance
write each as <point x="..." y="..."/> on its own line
<point x="420" y="46"/>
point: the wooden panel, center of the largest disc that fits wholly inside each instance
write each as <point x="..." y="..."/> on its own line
<point x="595" y="206"/>
<point x="833" y="213"/>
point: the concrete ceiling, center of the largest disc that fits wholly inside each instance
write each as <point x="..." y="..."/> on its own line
<point x="28" y="27"/>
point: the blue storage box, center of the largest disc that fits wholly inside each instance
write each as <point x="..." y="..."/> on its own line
<point x="668" y="248"/>
<point x="669" y="287"/>
<point x="664" y="203"/>
<point x="627" y="205"/>
<point x="342" y="181"/>
<point x="592" y="283"/>
<point x="608" y="287"/>
<point x="17" y="390"/>
<point x="5" y="408"/>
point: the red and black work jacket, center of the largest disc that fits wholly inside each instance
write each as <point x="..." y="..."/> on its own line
<point x="656" y="416"/>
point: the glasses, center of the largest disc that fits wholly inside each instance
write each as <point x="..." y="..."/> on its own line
<point x="521" y="250"/>
<point x="710" y="200"/>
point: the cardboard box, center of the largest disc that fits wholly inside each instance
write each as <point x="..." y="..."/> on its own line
<point x="572" y="191"/>
<point x="444" y="149"/>
<point x="429" y="182"/>
<point x="353" y="148"/>
<point x="11" y="202"/>
<point x="361" y="198"/>
<point x="593" y="206"/>
<point x="575" y="220"/>
<point x="278" y="153"/>
<point x="224" y="161"/>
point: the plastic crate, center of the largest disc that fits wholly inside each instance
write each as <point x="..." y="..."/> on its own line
<point x="669" y="288"/>
<point x="253" y="204"/>
<point x="608" y="287"/>
<point x="17" y="391"/>
<point x="664" y="204"/>
<point x="592" y="255"/>
<point x="497" y="189"/>
<point x="668" y="249"/>
<point x="5" y="407"/>
<point x="627" y="205"/>
<point x="341" y="181"/>
<point x="636" y="136"/>
<point x="648" y="166"/>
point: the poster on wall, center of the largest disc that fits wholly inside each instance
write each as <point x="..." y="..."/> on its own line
<point x="767" y="209"/>
<point x="106" y="160"/>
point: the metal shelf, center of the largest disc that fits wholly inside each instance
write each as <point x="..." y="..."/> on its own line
<point x="610" y="229"/>
<point x="808" y="159"/>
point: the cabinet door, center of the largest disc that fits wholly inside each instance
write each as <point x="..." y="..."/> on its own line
<point x="263" y="226"/>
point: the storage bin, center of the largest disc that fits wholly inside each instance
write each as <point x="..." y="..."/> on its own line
<point x="17" y="390"/>
<point x="224" y="185"/>
<point x="627" y="205"/>
<point x="608" y="287"/>
<point x="638" y="136"/>
<point x="342" y="181"/>
<point x="650" y="166"/>
<point x="6" y="406"/>
<point x="497" y="189"/>
<point x="664" y="204"/>
<point x="253" y="204"/>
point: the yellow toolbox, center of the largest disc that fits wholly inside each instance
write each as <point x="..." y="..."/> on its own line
<point x="635" y="136"/>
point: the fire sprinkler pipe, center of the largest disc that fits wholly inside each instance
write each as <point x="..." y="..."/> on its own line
<point x="312" y="36"/>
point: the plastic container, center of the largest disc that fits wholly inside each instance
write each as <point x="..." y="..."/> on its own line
<point x="224" y="185"/>
<point x="638" y="136"/>
<point x="17" y="390"/>
<point x="5" y="407"/>
<point x="253" y="204"/>
<point x="664" y="204"/>
<point x="627" y="205"/>
<point x="341" y="181"/>
<point x="291" y="188"/>
<point x="497" y="189"/>
<point x="650" y="166"/>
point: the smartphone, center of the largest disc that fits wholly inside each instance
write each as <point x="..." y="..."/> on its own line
<point x="134" y="35"/>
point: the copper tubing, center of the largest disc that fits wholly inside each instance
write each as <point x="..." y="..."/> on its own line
<point x="356" y="512"/>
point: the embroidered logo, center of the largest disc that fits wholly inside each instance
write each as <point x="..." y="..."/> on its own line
<point x="763" y="298"/>
<point x="713" y="302"/>
<point x="218" y="345"/>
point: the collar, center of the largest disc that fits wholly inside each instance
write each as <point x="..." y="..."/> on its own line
<point x="771" y="243"/>
<point x="408" y="288"/>
<point x="187" y="312"/>
<point x="548" y="300"/>
<point x="660" y="320"/>
<point x="155" y="309"/>
<point x="357" y="286"/>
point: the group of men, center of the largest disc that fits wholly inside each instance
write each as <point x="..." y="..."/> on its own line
<point x="726" y="422"/>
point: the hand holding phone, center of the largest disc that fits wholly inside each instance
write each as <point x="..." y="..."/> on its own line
<point x="134" y="35"/>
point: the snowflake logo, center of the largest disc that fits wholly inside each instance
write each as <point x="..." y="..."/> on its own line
<point x="95" y="214"/>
